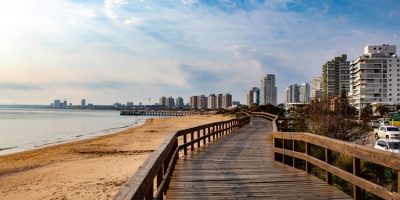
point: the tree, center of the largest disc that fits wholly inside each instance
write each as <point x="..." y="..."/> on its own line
<point x="381" y="110"/>
<point x="339" y="123"/>
<point x="366" y="114"/>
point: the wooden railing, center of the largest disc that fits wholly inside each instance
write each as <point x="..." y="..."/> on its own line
<point x="151" y="180"/>
<point x="286" y="147"/>
<point x="268" y="116"/>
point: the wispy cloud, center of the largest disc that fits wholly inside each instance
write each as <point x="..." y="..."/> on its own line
<point x="18" y="86"/>
<point x="120" y="49"/>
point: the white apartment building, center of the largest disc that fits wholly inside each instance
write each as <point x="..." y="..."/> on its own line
<point x="316" y="91"/>
<point x="374" y="77"/>
<point x="268" y="90"/>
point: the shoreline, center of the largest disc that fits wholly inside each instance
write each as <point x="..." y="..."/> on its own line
<point x="94" y="168"/>
<point x="80" y="137"/>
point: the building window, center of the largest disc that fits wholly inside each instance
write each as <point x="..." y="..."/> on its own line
<point x="390" y="89"/>
<point x="390" y="79"/>
<point x="390" y="74"/>
<point x="390" y="94"/>
<point x="390" y="99"/>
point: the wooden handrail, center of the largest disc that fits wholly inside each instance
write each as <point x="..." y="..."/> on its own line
<point x="161" y="163"/>
<point x="268" y="116"/>
<point x="357" y="152"/>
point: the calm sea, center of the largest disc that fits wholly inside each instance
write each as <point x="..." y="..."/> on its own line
<point x="24" y="129"/>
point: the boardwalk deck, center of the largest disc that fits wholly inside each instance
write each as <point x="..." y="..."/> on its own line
<point x="241" y="166"/>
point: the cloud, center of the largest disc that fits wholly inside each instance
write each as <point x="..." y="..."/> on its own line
<point x="110" y="11"/>
<point x="110" y="6"/>
<point x="134" y="49"/>
<point x="132" y="21"/>
<point x="189" y="2"/>
<point x="18" y="86"/>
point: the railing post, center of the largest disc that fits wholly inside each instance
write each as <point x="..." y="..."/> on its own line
<point x="184" y="142"/>
<point x="308" y="152"/>
<point x="208" y="133"/>
<point x="293" y="149"/>
<point x="204" y="134"/>
<point x="328" y="160"/>
<point x="356" y="172"/>
<point x="198" y="136"/>
<point x="213" y="131"/>
<point x="398" y="182"/>
<point x="191" y="140"/>
<point x="283" y="147"/>
<point x="149" y="195"/>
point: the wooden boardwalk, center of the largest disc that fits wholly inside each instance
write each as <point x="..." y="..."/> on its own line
<point x="241" y="166"/>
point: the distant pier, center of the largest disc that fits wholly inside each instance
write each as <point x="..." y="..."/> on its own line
<point x="164" y="113"/>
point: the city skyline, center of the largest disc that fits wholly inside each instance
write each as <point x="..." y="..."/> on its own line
<point x="118" y="50"/>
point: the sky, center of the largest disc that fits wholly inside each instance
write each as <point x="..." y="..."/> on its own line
<point x="109" y="51"/>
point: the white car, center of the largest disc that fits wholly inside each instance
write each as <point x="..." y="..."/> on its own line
<point x="388" y="132"/>
<point x="392" y="145"/>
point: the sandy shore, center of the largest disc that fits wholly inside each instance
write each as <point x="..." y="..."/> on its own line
<point x="89" y="169"/>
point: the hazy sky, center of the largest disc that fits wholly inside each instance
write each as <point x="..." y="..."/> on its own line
<point x="128" y="50"/>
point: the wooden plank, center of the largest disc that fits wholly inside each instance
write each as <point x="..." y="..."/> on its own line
<point x="240" y="167"/>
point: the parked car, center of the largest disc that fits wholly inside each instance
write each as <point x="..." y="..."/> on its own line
<point x="392" y="145"/>
<point x="388" y="132"/>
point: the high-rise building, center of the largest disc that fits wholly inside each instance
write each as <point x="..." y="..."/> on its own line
<point x="83" y="103"/>
<point x="170" y="102"/>
<point x="163" y="101"/>
<point x="202" y="103"/>
<point x="253" y="96"/>
<point x="292" y="94"/>
<point x="336" y="76"/>
<point x="316" y="85"/>
<point x="219" y="101"/>
<point x="268" y="90"/>
<point x="226" y="100"/>
<point x="375" y="76"/>
<point x="297" y="93"/>
<point x="304" y="93"/>
<point x="57" y="104"/>
<point x="129" y="104"/>
<point x="194" y="102"/>
<point x="212" y="102"/>
<point x="179" y="102"/>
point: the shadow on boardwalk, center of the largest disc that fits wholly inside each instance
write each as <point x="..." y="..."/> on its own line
<point x="241" y="166"/>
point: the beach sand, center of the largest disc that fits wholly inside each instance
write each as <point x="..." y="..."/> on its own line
<point x="89" y="169"/>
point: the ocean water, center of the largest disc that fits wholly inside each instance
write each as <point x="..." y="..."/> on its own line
<point x="25" y="129"/>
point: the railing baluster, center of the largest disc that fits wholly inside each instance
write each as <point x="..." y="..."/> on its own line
<point x="308" y="152"/>
<point x="150" y="192"/>
<point x="328" y="159"/>
<point x="293" y="149"/>
<point x="191" y="140"/>
<point x="184" y="142"/>
<point x="198" y="136"/>
<point x="208" y="134"/>
<point x="356" y="172"/>
<point x="204" y="134"/>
